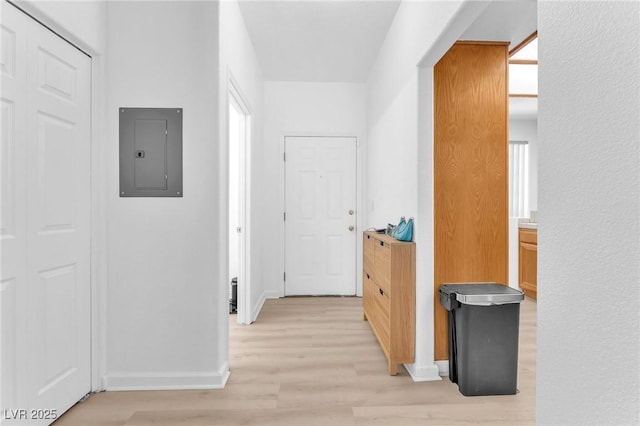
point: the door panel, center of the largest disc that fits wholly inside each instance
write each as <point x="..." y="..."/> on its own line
<point x="320" y="249"/>
<point x="58" y="196"/>
<point x="49" y="140"/>
<point x="150" y="137"/>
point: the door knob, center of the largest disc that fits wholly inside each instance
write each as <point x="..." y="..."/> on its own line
<point x="351" y="212"/>
<point x="351" y="228"/>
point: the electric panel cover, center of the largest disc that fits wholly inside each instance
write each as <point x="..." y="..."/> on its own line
<point x="150" y="152"/>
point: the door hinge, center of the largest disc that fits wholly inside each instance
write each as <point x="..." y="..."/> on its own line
<point x="284" y="216"/>
<point x="284" y="276"/>
<point x="284" y="156"/>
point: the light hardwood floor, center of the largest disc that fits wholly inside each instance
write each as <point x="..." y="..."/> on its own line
<point x="314" y="361"/>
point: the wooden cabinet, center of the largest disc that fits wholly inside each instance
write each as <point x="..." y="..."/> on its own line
<point x="528" y="261"/>
<point x="389" y="295"/>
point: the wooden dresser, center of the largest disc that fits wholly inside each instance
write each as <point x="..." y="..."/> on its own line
<point x="528" y="261"/>
<point x="389" y="295"/>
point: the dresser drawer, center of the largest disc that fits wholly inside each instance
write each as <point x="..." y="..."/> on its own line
<point x="368" y="246"/>
<point x="382" y="322"/>
<point x="369" y="290"/>
<point x="382" y="265"/>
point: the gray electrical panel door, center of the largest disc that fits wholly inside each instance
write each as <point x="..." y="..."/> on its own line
<point x="150" y="152"/>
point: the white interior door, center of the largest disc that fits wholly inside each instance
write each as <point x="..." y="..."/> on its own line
<point x="237" y="139"/>
<point x="45" y="219"/>
<point x="239" y="201"/>
<point x="320" y="223"/>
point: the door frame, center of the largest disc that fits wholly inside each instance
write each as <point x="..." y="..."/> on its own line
<point x="360" y="188"/>
<point x="235" y="96"/>
<point x="98" y="187"/>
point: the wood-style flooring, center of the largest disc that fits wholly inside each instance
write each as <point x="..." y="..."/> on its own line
<point x="314" y="361"/>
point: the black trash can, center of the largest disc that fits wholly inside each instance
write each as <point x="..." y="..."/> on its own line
<point x="233" y="303"/>
<point x="484" y="322"/>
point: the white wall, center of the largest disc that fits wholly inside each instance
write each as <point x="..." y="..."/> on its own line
<point x="239" y="62"/>
<point x="164" y="299"/>
<point x="81" y="22"/>
<point x="527" y="130"/>
<point x="399" y="171"/>
<point x="392" y="163"/>
<point x="299" y="108"/>
<point x="589" y="203"/>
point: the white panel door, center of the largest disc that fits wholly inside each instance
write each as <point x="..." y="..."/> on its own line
<point x="13" y="222"/>
<point x="47" y="103"/>
<point x="320" y="225"/>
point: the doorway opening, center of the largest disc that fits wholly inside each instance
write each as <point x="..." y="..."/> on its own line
<point x="239" y="125"/>
<point x="523" y="165"/>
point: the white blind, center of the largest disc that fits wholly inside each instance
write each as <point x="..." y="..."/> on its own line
<point x="518" y="178"/>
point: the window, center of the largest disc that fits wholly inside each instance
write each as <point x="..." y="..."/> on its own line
<point x="518" y="178"/>
<point x="523" y="68"/>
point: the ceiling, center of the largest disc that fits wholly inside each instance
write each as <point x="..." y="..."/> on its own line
<point x="511" y="21"/>
<point x="317" y="40"/>
<point x="338" y="40"/>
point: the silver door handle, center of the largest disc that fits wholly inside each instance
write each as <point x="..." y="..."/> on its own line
<point x="238" y="230"/>
<point x="351" y="212"/>
<point x="351" y="228"/>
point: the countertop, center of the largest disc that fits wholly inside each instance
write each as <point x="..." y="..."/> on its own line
<point x="528" y="225"/>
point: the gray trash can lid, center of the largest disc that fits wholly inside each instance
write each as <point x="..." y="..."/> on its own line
<point x="483" y="294"/>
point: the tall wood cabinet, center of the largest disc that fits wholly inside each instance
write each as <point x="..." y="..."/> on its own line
<point x="389" y="295"/>
<point x="470" y="171"/>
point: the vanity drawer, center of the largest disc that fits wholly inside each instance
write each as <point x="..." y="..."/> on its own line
<point x="528" y="235"/>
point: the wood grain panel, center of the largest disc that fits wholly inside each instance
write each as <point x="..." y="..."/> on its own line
<point x="367" y="251"/>
<point x="528" y="262"/>
<point x="382" y="324"/>
<point x="403" y="301"/>
<point x="368" y="291"/>
<point x="470" y="171"/>
<point x="528" y="235"/>
<point x="382" y="265"/>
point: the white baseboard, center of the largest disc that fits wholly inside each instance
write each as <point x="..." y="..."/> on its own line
<point x="273" y="294"/>
<point x="181" y="380"/>
<point x="443" y="366"/>
<point x="255" y="310"/>
<point x="423" y="373"/>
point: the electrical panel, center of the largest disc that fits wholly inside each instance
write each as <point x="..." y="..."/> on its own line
<point x="150" y="152"/>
